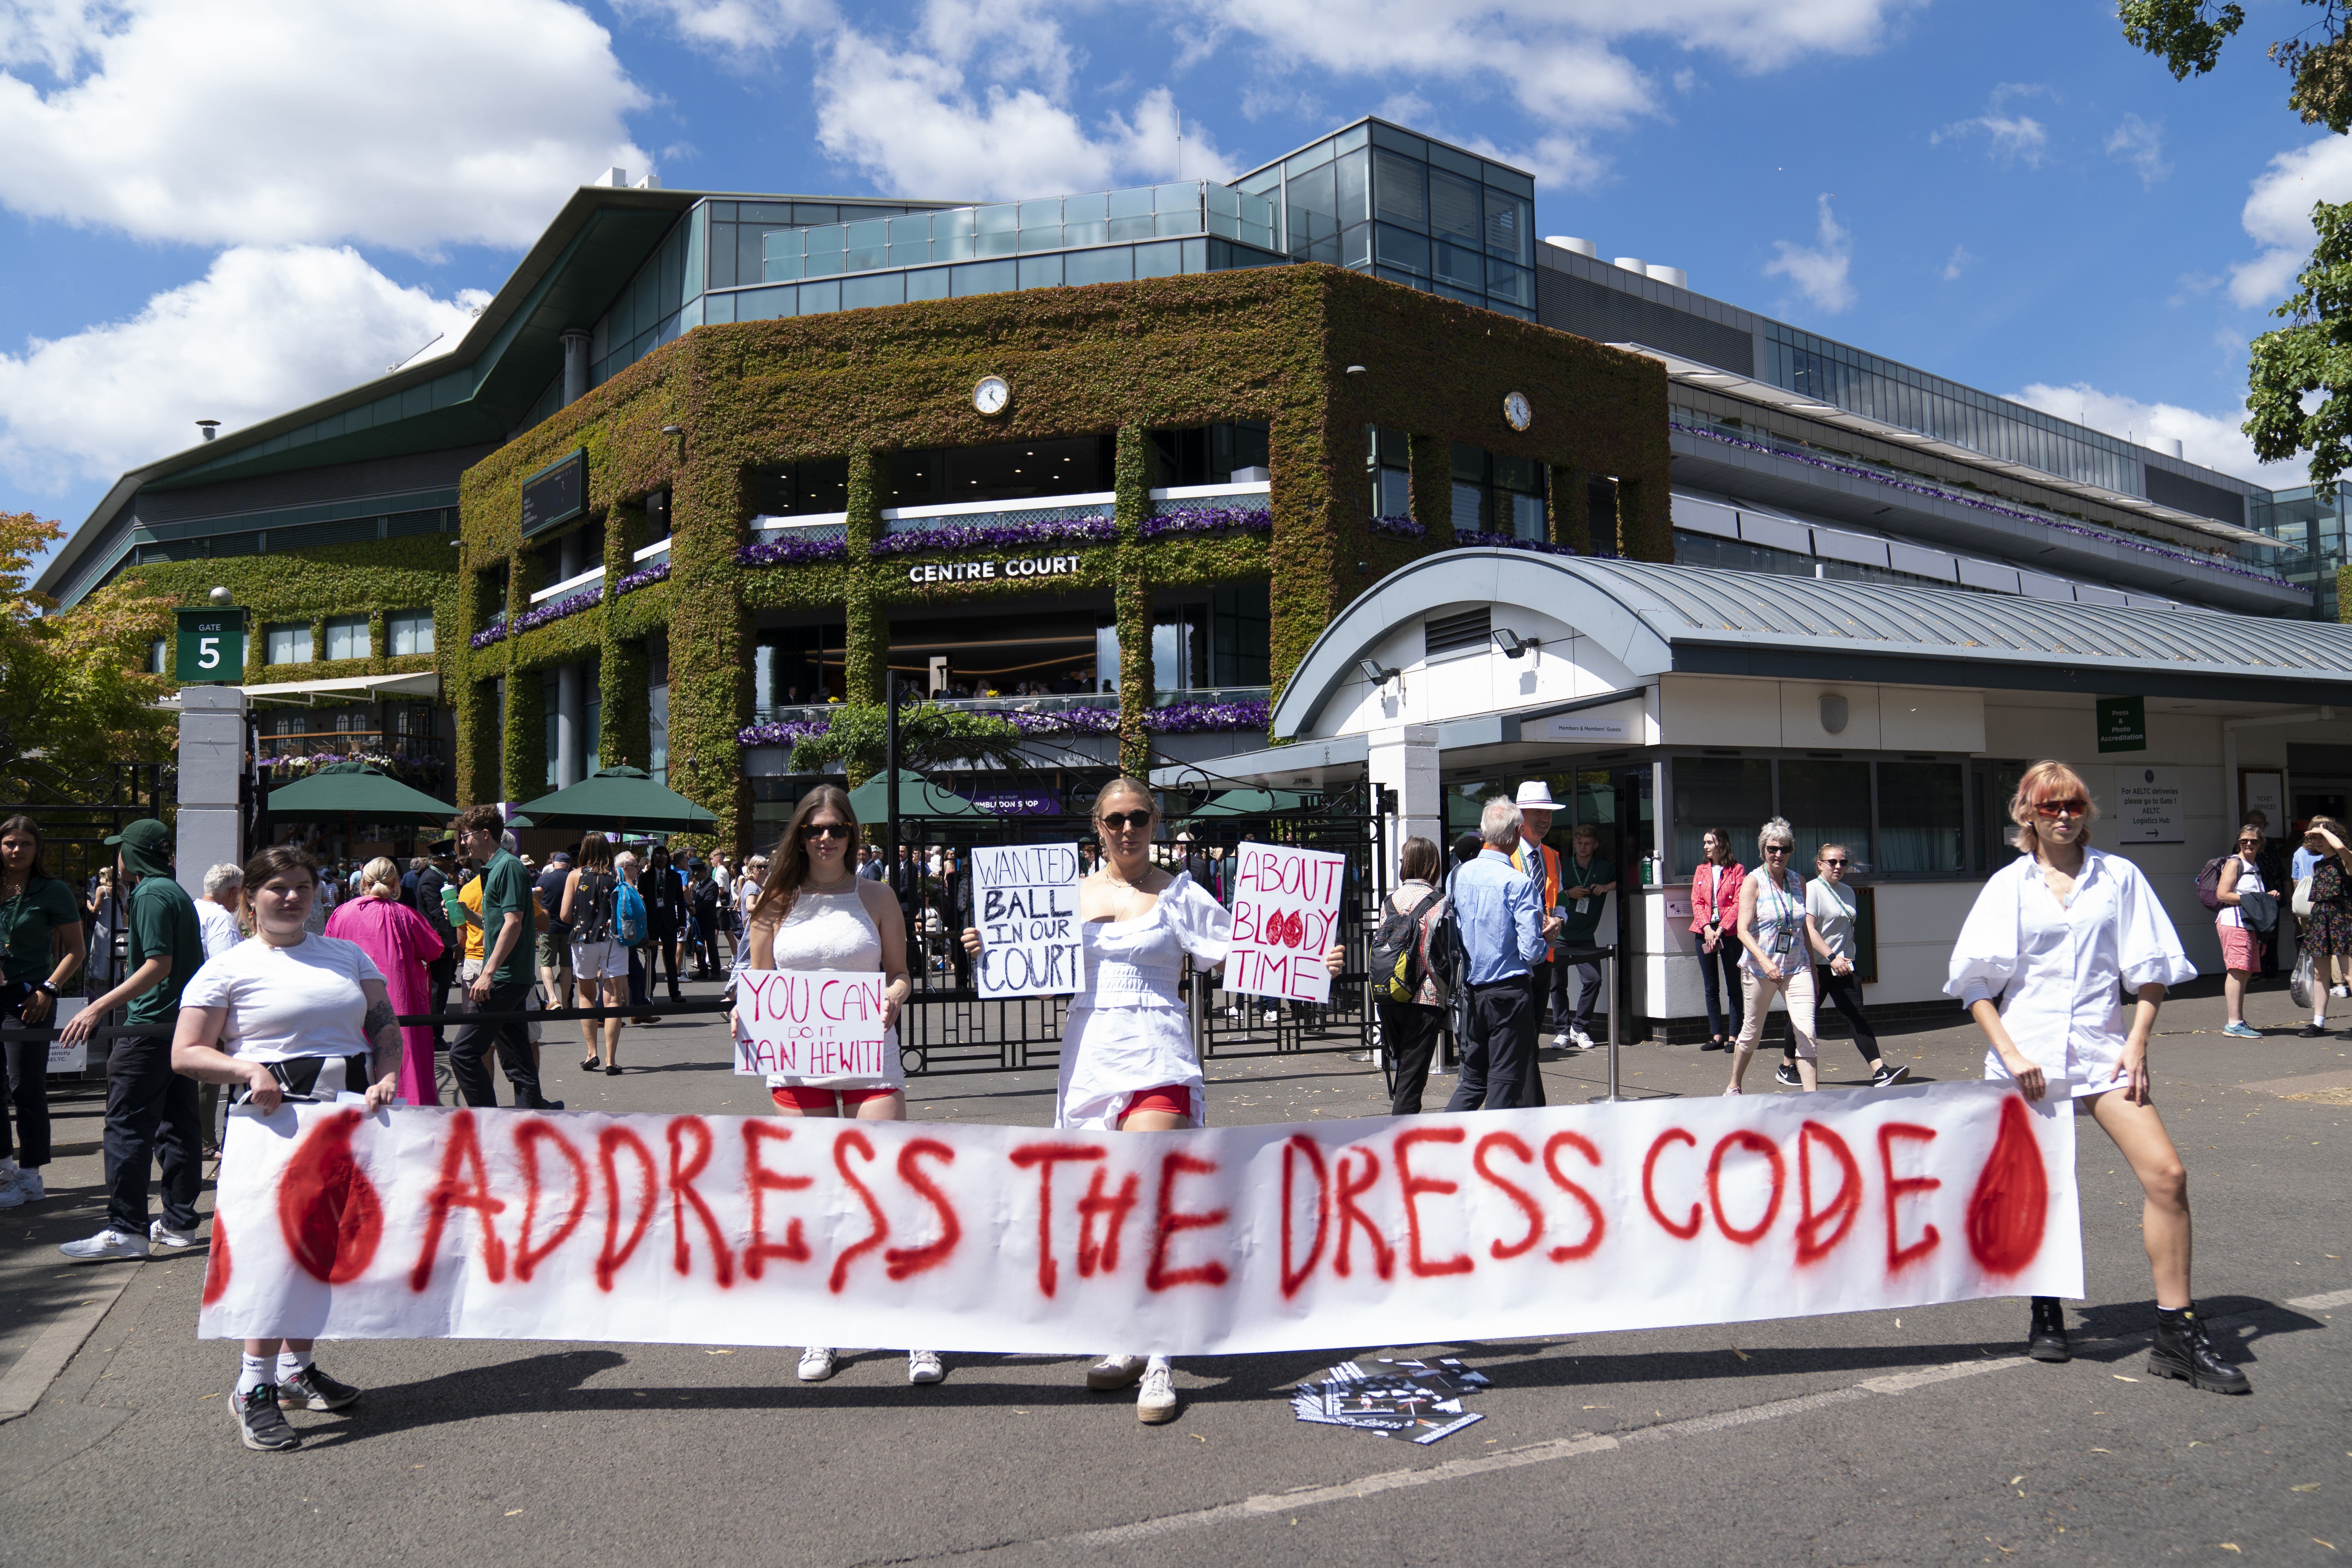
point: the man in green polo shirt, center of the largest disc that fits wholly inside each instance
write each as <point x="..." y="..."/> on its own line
<point x="504" y="985"/>
<point x="150" y="1109"/>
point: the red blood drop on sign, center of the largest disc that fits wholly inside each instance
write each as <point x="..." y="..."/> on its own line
<point x="2011" y="1203"/>
<point x="327" y="1207"/>
<point x="216" y="1264"/>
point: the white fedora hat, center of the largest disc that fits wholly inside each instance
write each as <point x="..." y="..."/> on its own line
<point x="1537" y="794"/>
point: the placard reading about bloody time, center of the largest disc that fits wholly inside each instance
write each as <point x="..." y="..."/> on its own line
<point x="811" y="1023"/>
<point x="1285" y="908"/>
<point x="1025" y="907"/>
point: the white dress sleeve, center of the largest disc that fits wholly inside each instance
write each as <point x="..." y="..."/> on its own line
<point x="1985" y="957"/>
<point x="1204" y="926"/>
<point x="2148" y="950"/>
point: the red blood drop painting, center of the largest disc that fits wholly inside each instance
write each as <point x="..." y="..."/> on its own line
<point x="327" y="1207"/>
<point x="216" y="1264"/>
<point x="2011" y="1203"/>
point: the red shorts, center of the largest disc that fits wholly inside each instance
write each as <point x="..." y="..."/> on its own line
<point x="2240" y="949"/>
<point x="798" y="1096"/>
<point x="1172" y="1098"/>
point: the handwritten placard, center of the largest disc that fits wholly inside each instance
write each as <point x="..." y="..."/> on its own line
<point x="1026" y="906"/>
<point x="810" y="1024"/>
<point x="1285" y="908"/>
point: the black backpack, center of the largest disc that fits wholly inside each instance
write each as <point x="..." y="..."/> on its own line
<point x="591" y="907"/>
<point x="1449" y="958"/>
<point x="1396" y="966"/>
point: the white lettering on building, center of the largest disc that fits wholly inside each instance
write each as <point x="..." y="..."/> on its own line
<point x="989" y="571"/>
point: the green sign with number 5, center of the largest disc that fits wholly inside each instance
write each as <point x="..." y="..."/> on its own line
<point x="211" y="647"/>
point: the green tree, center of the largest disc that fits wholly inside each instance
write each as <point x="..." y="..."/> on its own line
<point x="929" y="736"/>
<point x="74" y="691"/>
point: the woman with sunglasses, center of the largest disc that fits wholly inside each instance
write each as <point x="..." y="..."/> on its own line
<point x="1128" y="1061"/>
<point x="1833" y="908"/>
<point x="814" y="912"/>
<point x="2242" y="944"/>
<point x="2053" y="936"/>
<point x="1780" y="940"/>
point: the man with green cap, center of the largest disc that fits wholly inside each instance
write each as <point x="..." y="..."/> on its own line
<point x="150" y="1109"/>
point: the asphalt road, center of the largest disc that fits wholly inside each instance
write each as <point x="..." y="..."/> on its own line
<point x="1867" y="1438"/>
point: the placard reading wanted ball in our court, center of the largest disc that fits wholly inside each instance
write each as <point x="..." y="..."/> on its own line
<point x="1285" y="915"/>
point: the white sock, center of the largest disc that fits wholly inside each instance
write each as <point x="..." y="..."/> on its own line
<point x="1159" y="1363"/>
<point x="292" y="1364"/>
<point x="254" y="1374"/>
<point x="2319" y="1020"/>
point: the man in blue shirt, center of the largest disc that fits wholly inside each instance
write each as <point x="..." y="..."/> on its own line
<point x="1504" y="929"/>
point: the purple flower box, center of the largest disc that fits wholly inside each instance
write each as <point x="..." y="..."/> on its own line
<point x="996" y="536"/>
<point x="1399" y="528"/>
<point x="1207" y="718"/>
<point x="1208" y="520"/>
<point x="782" y="732"/>
<point x="657" y="572"/>
<point x="1512" y="542"/>
<point x="793" y="552"/>
<point x="570" y="604"/>
<point x="496" y="631"/>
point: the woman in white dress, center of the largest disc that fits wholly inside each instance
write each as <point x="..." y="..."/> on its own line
<point x="2039" y="964"/>
<point x="814" y="912"/>
<point x="1128" y="1060"/>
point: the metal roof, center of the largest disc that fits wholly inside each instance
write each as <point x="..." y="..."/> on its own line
<point x="1658" y="619"/>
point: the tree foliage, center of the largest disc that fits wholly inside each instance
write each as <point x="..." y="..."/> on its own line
<point x="2188" y="34"/>
<point x="74" y="691"/>
<point x="2309" y="361"/>
<point x="929" y="736"/>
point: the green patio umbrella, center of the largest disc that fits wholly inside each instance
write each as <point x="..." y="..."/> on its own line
<point x="1250" y="802"/>
<point x="918" y="797"/>
<point x="618" y="798"/>
<point x="354" y="792"/>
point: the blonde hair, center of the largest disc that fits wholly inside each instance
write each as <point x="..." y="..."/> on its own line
<point x="381" y="872"/>
<point x="2047" y="779"/>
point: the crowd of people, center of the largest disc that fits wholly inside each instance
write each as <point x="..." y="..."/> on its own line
<point x="250" y="989"/>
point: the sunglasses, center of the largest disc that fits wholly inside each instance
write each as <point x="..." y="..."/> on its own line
<point x="1121" y="821"/>
<point x="826" y="830"/>
<point x="1780" y="848"/>
<point x="1833" y="862"/>
<point x="2254" y="841"/>
<point x="2076" y="807"/>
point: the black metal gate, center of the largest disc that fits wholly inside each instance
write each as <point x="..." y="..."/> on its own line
<point x="77" y="813"/>
<point x="946" y="1027"/>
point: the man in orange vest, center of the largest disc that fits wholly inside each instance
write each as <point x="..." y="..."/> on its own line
<point x="1540" y="863"/>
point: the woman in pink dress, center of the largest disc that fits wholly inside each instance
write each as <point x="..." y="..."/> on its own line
<point x="400" y="943"/>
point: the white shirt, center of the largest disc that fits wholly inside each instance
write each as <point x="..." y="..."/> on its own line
<point x="1833" y="905"/>
<point x="2059" y="971"/>
<point x="219" y="928"/>
<point x="1128" y="1030"/>
<point x="288" y="1002"/>
<point x="2250" y="880"/>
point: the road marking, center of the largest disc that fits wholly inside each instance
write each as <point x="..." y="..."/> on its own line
<point x="46" y="1356"/>
<point x="2321" y="1303"/>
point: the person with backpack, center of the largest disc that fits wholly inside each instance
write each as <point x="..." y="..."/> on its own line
<point x="633" y="929"/>
<point x="2238" y="899"/>
<point x="1405" y="988"/>
<point x="600" y="960"/>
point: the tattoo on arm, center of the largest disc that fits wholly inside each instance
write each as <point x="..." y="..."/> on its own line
<point x="382" y="1027"/>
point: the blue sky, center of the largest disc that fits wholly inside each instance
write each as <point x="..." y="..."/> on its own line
<point x="227" y="211"/>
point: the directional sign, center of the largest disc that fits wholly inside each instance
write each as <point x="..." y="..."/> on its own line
<point x="211" y="646"/>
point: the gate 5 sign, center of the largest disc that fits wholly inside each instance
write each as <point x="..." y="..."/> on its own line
<point x="411" y="1224"/>
<point x="211" y="646"/>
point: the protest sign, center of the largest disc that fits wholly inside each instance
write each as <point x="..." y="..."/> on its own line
<point x="1025" y="907"/>
<point x="811" y="1023"/>
<point x="340" y="1223"/>
<point x="64" y="1058"/>
<point x="1285" y="915"/>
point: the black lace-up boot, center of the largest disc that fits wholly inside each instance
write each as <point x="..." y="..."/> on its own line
<point x="2047" y="1339"/>
<point x="2183" y="1350"/>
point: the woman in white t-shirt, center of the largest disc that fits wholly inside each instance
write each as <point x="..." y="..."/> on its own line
<point x="298" y="1014"/>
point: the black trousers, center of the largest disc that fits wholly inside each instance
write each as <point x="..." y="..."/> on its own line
<point x="1498" y="1048"/>
<point x="1718" y="974"/>
<point x="28" y="1103"/>
<point x="664" y="946"/>
<point x="469" y="1054"/>
<point x="1408" y="1034"/>
<point x="150" y="1111"/>
<point x="439" y="975"/>
<point x="1843" y="992"/>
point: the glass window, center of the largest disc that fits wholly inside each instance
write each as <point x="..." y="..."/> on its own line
<point x="881" y="289"/>
<point x="286" y="644"/>
<point x="866" y="244"/>
<point x="1399" y="247"/>
<point x="803" y="212"/>
<point x="1133" y="203"/>
<point x="819" y="299"/>
<point x="1505" y="282"/>
<point x="984" y="278"/>
<point x="1265" y="182"/>
<point x="347" y="637"/>
<point x="1159" y="261"/>
<point x="1184" y="197"/>
<point x="409" y="631"/>
<point x="1454" y="205"/>
<point x="1093" y="231"/>
<point x="1355" y="187"/>
<point x="1920" y="818"/>
<point x="1398" y="194"/>
<point x="1112" y="265"/>
<point x="1041" y="272"/>
<point x="1353" y="137"/>
<point x="1182" y="220"/>
<point x="1356" y="245"/>
<point x="1463" y="268"/>
<point x="1402" y="141"/>
<point x="1528" y="517"/>
<point x="718" y="309"/>
<point x="1508" y="226"/>
<point x="1196" y="255"/>
<point x="915" y="230"/>
<point x="996" y="231"/>
<point x="1826" y="802"/>
<point x="1469" y="505"/>
<point x="1731" y="795"/>
<point x="722" y="255"/>
<point x="767" y="304"/>
<point x="1395" y="498"/>
<point x="158" y="659"/>
<point x="931" y="283"/>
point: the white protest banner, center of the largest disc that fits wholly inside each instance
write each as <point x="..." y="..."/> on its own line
<point x="1025" y="907"/>
<point x="1286" y="910"/>
<point x="811" y="1023"/>
<point x="342" y="1223"/>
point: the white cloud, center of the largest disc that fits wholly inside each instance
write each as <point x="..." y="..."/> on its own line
<point x="724" y="25"/>
<point x="2278" y="215"/>
<point x="2212" y="439"/>
<point x="1818" y="270"/>
<point x="264" y="331"/>
<point x="915" y="125"/>
<point x="279" y="122"/>
<point x="2141" y="144"/>
<point x="1959" y="261"/>
<point x="2010" y="138"/>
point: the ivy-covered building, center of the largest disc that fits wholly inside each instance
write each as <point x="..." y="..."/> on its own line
<point x="709" y="463"/>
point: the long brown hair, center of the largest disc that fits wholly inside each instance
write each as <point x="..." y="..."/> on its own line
<point x="788" y="866"/>
<point x="21" y="823"/>
<point x="595" y="853"/>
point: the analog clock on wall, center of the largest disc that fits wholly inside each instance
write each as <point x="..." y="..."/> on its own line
<point x="991" y="395"/>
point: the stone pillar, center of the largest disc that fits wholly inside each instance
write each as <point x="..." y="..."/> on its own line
<point x="1403" y="758"/>
<point x="571" y="723"/>
<point x="575" y="341"/>
<point x="212" y="767"/>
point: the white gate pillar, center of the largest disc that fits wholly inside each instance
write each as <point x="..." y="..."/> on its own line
<point x="212" y="767"/>
<point x="1403" y="758"/>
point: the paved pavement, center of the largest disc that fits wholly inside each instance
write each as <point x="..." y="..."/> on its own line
<point x="1876" y="1437"/>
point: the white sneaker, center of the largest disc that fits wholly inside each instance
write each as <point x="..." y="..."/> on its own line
<point x="29" y="1188"/>
<point x="1156" y="1401"/>
<point x="2340" y="991"/>
<point x="170" y="1240"/>
<point x="1561" y="1043"/>
<point x="923" y="1366"/>
<point x="816" y="1364"/>
<point x="11" y="1195"/>
<point x="107" y="1247"/>
<point x="1583" y="1041"/>
<point x="1114" y="1372"/>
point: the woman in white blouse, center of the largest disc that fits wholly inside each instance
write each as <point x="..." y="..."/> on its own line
<point x="1128" y="1060"/>
<point x="2038" y="963"/>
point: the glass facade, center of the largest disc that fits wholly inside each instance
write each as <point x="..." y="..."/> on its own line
<point x="2311" y="521"/>
<point x="1377" y="198"/>
<point x="1494" y="494"/>
<point x="1896" y="818"/>
<point x="347" y="637"/>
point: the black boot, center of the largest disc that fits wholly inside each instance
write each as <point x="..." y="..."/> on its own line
<point x="2183" y="1350"/>
<point x="2047" y="1339"/>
